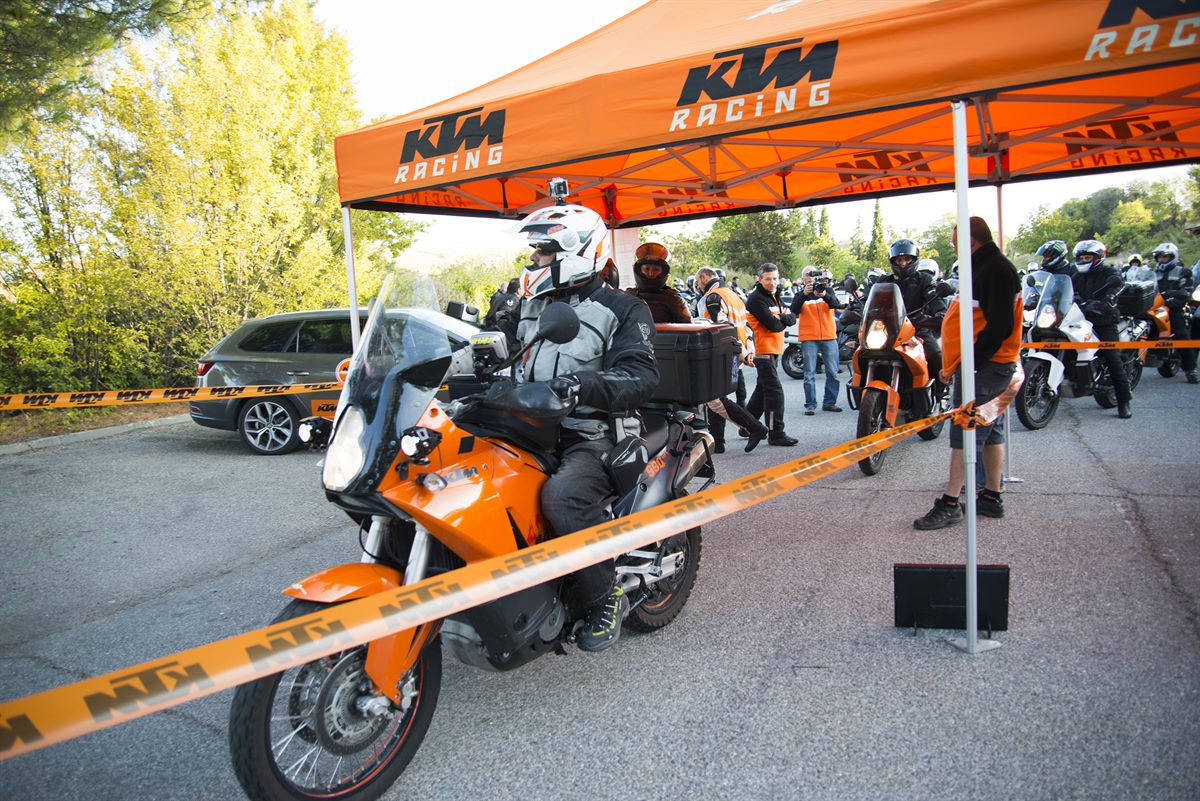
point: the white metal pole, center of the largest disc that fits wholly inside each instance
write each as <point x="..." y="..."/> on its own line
<point x="966" y="334"/>
<point x="351" y="281"/>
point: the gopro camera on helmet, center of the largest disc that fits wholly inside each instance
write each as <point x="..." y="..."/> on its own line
<point x="557" y="188"/>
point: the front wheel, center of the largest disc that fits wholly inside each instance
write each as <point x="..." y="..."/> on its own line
<point x="1103" y="389"/>
<point x="1168" y="367"/>
<point x="793" y="361"/>
<point x="941" y="402"/>
<point x="321" y="731"/>
<point x="871" y="420"/>
<point x="1037" y="401"/>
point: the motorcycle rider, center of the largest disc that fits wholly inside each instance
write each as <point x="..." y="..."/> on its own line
<point x="1175" y="284"/>
<point x="1054" y="258"/>
<point x="720" y="304"/>
<point x="768" y="317"/>
<point x="650" y="273"/>
<point x="608" y="369"/>
<point x="921" y="302"/>
<point x="1096" y="285"/>
<point x="1134" y="262"/>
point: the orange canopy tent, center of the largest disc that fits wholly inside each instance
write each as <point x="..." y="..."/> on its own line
<point x="694" y="108"/>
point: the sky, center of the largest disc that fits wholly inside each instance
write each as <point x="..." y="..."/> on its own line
<point x="457" y="45"/>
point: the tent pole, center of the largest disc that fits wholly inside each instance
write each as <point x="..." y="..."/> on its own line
<point x="966" y="334"/>
<point x="351" y="282"/>
<point x="1007" y="475"/>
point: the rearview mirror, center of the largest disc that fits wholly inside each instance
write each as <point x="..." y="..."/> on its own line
<point x="1030" y="281"/>
<point x="850" y="285"/>
<point x="558" y="323"/>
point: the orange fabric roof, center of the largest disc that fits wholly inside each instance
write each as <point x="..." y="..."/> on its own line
<point x="690" y="108"/>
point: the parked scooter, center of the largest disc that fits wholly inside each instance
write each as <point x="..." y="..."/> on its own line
<point x="435" y="486"/>
<point x="889" y="373"/>
<point x="1053" y="316"/>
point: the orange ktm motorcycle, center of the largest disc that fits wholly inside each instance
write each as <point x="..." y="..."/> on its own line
<point x="889" y="373"/>
<point x="435" y="485"/>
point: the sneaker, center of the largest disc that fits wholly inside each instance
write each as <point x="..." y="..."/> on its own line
<point x="603" y="625"/>
<point x="810" y="411"/>
<point x="754" y="439"/>
<point x="831" y="407"/>
<point x="989" y="508"/>
<point x="1192" y="377"/>
<point x="781" y="439"/>
<point x="939" y="516"/>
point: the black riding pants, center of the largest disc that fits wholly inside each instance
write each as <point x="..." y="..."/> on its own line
<point x="1112" y="358"/>
<point x="767" y="399"/>
<point x="1181" y="327"/>
<point x="575" y="497"/>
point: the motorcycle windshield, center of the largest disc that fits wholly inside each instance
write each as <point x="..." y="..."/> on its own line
<point x="1032" y="286"/>
<point x="883" y="315"/>
<point x="402" y="358"/>
<point x="1057" y="296"/>
<point x="1141" y="275"/>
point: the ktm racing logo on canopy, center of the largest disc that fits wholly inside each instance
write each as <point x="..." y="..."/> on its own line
<point x="1149" y="35"/>
<point x="738" y="82"/>
<point x="451" y="143"/>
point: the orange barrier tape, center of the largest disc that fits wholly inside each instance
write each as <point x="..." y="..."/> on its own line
<point x="1148" y="344"/>
<point x="968" y="417"/>
<point x="36" y="721"/>
<point x="124" y="397"/>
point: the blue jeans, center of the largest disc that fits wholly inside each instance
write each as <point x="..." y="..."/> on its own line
<point x="829" y="354"/>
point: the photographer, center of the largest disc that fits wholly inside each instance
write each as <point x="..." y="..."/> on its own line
<point x="814" y="305"/>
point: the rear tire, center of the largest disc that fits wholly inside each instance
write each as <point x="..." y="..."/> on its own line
<point x="793" y="361"/>
<point x="1102" y="387"/>
<point x="1036" y="403"/>
<point x="1169" y="366"/>
<point x="285" y="730"/>
<point x="668" y="596"/>
<point x="269" y="426"/>
<point x="871" y="421"/>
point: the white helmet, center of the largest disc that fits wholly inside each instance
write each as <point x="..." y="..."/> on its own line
<point x="575" y="235"/>
<point x="929" y="266"/>
<point x="1165" y="249"/>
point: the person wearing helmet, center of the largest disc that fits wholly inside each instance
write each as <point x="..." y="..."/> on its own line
<point x="650" y="273"/>
<point x="768" y="318"/>
<point x="608" y="370"/>
<point x="1054" y="258"/>
<point x="930" y="267"/>
<point x="1134" y="261"/>
<point x="924" y="307"/>
<point x="720" y="304"/>
<point x="1096" y="286"/>
<point x="1175" y="285"/>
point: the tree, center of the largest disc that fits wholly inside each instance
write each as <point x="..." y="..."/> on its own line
<point x="1045" y="225"/>
<point x="47" y="46"/>
<point x="745" y="241"/>
<point x="877" y="248"/>
<point x="823" y="226"/>
<point x="936" y="242"/>
<point x="1131" y="226"/>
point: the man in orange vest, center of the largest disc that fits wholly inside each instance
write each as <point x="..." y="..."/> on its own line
<point x="814" y="305"/>
<point x="720" y="304"/>
<point x="997" y="317"/>
<point x="768" y="318"/>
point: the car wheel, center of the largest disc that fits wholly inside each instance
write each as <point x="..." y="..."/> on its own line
<point x="269" y="427"/>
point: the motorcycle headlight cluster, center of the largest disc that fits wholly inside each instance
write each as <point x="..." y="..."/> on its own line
<point x="1047" y="317"/>
<point x="877" y="335"/>
<point x="345" y="457"/>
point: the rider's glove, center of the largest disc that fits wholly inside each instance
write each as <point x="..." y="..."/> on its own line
<point x="566" y="387"/>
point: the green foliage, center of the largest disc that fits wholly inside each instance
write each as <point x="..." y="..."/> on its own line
<point x="473" y="281"/>
<point x="195" y="191"/>
<point x="937" y="243"/>
<point x="1044" y="226"/>
<point x="743" y="242"/>
<point x="1129" y="225"/>
<point x="46" y="46"/>
<point x="877" y="247"/>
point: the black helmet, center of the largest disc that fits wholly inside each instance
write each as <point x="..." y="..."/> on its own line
<point x="904" y="247"/>
<point x="651" y="254"/>
<point x="1054" y="255"/>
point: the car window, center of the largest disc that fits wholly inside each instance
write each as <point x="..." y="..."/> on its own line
<point x="326" y="336"/>
<point x="274" y="338"/>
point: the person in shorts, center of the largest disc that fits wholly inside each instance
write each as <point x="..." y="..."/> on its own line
<point x="997" y="345"/>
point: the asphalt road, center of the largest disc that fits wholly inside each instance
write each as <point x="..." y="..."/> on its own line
<point x="783" y="678"/>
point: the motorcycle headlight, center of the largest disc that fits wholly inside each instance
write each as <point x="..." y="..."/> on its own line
<point x="345" y="458"/>
<point x="877" y="335"/>
<point x="1196" y="294"/>
<point x="1047" y="317"/>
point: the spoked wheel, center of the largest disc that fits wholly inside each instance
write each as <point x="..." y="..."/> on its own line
<point x="668" y="596"/>
<point x="1037" y="401"/>
<point x="321" y="731"/>
<point x="871" y="420"/>
<point x="793" y="361"/>
<point x="941" y="402"/>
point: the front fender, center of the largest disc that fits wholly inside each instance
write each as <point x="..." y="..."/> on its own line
<point x="1056" y="367"/>
<point x="892" y="406"/>
<point x="346" y="582"/>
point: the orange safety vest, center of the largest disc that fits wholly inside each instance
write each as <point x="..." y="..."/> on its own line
<point x="816" y="321"/>
<point x="766" y="343"/>
<point x="735" y="311"/>
<point x="1010" y="349"/>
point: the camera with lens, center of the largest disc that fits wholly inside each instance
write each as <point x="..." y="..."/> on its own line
<point x="820" y="284"/>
